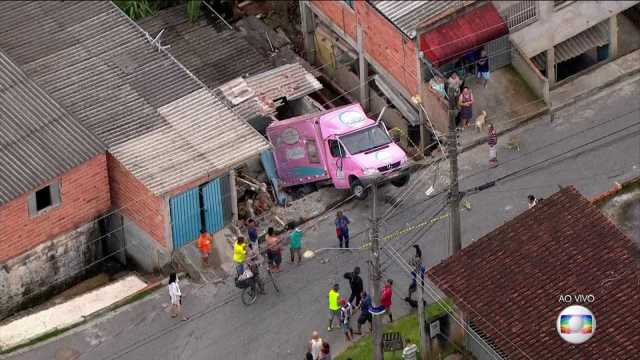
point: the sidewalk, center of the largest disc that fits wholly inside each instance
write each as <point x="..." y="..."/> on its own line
<point x="68" y="314"/>
<point x="595" y="80"/>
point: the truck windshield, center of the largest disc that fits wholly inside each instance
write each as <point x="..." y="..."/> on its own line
<point x="365" y="139"/>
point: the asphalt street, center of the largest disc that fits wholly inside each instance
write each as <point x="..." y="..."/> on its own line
<point x="588" y="145"/>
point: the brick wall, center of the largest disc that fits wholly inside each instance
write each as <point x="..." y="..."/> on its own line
<point x="136" y="202"/>
<point x="84" y="192"/>
<point x="383" y="41"/>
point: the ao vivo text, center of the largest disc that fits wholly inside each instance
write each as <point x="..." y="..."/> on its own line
<point x="577" y="298"/>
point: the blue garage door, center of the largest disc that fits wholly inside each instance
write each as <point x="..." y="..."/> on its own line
<point x="185" y="217"/>
<point x="213" y="207"/>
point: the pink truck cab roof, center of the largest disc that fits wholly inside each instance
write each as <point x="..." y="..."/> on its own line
<point x="336" y="121"/>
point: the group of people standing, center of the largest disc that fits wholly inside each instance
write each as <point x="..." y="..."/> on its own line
<point x="273" y="242"/>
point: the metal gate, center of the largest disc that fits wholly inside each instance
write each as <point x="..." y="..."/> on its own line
<point x="185" y="217"/>
<point x="208" y="205"/>
<point x="213" y="209"/>
<point x="499" y="52"/>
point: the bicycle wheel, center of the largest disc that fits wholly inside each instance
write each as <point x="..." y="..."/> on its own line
<point x="249" y="295"/>
<point x="273" y="281"/>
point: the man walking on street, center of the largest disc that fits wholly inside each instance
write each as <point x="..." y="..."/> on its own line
<point x="295" y="243"/>
<point x="385" y="298"/>
<point x="334" y="304"/>
<point x="492" y="141"/>
<point x="416" y="261"/>
<point x="355" y="282"/>
<point x="365" y="314"/>
<point x="204" y="244"/>
<point x="342" y="229"/>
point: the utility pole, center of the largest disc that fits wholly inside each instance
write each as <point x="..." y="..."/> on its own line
<point x="421" y="115"/>
<point x="375" y="274"/>
<point x="454" y="191"/>
<point x="363" y="69"/>
<point x="424" y="336"/>
<point x="308" y="28"/>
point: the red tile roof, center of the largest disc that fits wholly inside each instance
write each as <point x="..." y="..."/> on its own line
<point x="509" y="282"/>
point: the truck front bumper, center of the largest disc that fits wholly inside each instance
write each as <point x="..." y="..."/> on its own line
<point x="394" y="174"/>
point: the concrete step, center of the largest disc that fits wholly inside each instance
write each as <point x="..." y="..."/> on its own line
<point x="189" y="258"/>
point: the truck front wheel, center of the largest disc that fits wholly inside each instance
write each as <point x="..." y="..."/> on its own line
<point x="358" y="190"/>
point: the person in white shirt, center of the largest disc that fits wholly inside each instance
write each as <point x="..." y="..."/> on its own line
<point x="315" y="345"/>
<point x="176" y="296"/>
<point x="532" y="201"/>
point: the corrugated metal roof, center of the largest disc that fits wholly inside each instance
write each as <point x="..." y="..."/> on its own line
<point x="597" y="35"/>
<point x="109" y="76"/>
<point x="290" y="81"/>
<point x="39" y="139"/>
<point x="407" y="14"/>
<point x="214" y="56"/>
<point x="197" y="141"/>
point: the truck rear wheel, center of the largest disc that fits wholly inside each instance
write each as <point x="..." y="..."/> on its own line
<point x="401" y="181"/>
<point x="358" y="190"/>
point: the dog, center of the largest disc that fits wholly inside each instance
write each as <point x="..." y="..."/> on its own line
<point x="480" y="120"/>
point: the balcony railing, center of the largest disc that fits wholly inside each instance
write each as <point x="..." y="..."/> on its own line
<point x="520" y="14"/>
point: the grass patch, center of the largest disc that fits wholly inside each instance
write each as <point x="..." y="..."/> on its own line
<point x="438" y="308"/>
<point x="137" y="297"/>
<point x="407" y="326"/>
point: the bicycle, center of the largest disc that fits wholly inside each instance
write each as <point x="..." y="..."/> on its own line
<point x="254" y="286"/>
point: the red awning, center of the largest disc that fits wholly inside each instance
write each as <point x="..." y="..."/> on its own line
<point x="464" y="33"/>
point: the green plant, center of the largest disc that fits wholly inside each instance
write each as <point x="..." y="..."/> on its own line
<point x="193" y="10"/>
<point x="136" y="9"/>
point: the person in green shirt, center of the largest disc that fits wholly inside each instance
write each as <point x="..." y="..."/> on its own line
<point x="334" y="305"/>
<point x="295" y="243"/>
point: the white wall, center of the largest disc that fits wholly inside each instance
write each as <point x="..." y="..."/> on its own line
<point x="565" y="23"/>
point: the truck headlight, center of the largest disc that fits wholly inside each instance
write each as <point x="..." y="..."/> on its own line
<point x="369" y="171"/>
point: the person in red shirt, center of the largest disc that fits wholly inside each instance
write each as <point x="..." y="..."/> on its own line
<point x="204" y="244"/>
<point x="385" y="297"/>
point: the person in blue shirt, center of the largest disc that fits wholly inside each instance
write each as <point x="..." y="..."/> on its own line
<point x="342" y="229"/>
<point x="252" y="231"/>
<point x="365" y="314"/>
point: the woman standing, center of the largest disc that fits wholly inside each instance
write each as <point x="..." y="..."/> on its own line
<point x="176" y="296"/>
<point x="274" y="250"/>
<point x="465" y="102"/>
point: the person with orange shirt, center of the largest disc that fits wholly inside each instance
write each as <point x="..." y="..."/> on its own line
<point x="204" y="244"/>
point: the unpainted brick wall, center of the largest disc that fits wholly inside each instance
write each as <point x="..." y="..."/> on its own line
<point x="132" y="199"/>
<point x="383" y="41"/>
<point x="84" y="194"/>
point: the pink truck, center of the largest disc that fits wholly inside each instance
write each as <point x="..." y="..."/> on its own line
<point x="340" y="145"/>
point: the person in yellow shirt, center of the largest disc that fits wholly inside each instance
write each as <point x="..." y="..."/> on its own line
<point x="334" y="304"/>
<point x="239" y="254"/>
